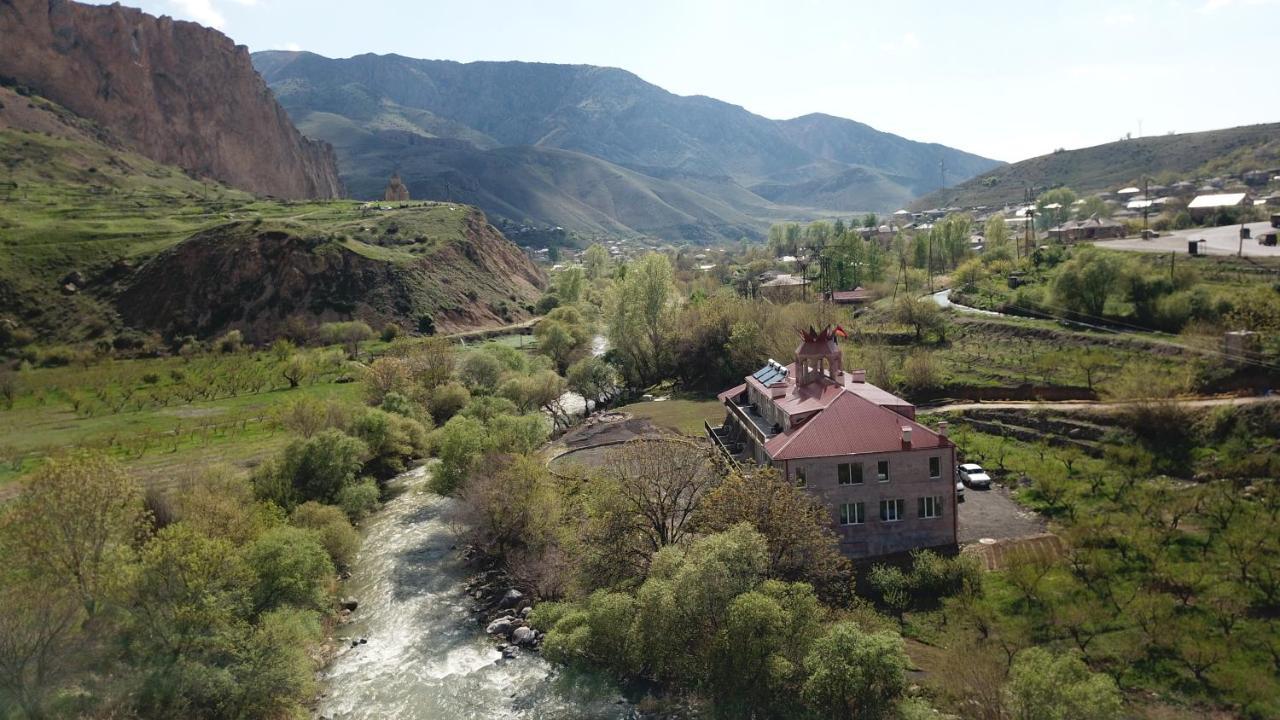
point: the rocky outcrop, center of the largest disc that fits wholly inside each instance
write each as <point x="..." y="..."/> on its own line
<point x="254" y="277"/>
<point x="177" y="92"/>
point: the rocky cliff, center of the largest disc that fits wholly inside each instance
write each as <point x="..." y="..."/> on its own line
<point x="179" y="93"/>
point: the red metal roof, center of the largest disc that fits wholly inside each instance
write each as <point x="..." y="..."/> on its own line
<point x="857" y="294"/>
<point x="851" y="425"/>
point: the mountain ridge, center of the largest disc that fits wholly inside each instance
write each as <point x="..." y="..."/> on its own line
<point x="610" y="115"/>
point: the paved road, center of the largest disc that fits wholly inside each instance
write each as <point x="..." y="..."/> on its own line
<point x="1088" y="405"/>
<point x="1223" y="240"/>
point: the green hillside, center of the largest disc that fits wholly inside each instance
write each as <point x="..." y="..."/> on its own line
<point x="1164" y="159"/>
<point x="84" y="222"/>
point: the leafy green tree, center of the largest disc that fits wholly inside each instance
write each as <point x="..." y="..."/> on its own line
<point x="593" y="378"/>
<point x="640" y="318"/>
<point x="274" y="672"/>
<point x="1063" y="199"/>
<point x="191" y="590"/>
<point x="796" y="527"/>
<point x="78" y="517"/>
<point x="854" y="675"/>
<point x="446" y="400"/>
<point x="556" y="341"/>
<point x="332" y="528"/>
<point x="391" y="440"/>
<point x="996" y="233"/>
<point x="481" y="371"/>
<point x="313" y="469"/>
<point x="459" y="443"/>
<point x="37" y="631"/>
<point x="1087" y="280"/>
<point x="595" y="261"/>
<point x="347" y="334"/>
<point x="569" y="284"/>
<point x="922" y="314"/>
<point x="292" y="568"/>
<point x="1044" y="686"/>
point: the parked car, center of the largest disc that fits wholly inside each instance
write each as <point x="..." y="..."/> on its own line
<point x="974" y="476"/>
<point x="959" y="492"/>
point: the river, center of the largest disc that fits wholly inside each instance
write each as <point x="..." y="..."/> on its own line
<point x="426" y="658"/>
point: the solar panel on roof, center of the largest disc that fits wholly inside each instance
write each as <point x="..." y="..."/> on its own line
<point x="762" y="372"/>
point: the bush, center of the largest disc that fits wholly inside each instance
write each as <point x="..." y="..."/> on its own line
<point x="392" y="440"/>
<point x="292" y="569"/>
<point x="313" y="469"/>
<point x="400" y="404"/>
<point x="390" y="332"/>
<point x="459" y="444"/>
<point x="231" y="342"/>
<point x="481" y="371"/>
<point x="446" y="400"/>
<point x="359" y="499"/>
<point x="332" y="527"/>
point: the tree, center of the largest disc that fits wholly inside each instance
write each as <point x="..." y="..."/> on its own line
<point x="1086" y="281"/>
<point x="659" y="483"/>
<point x="447" y="400"/>
<point x="592" y="378"/>
<point x="431" y="362"/>
<point x="347" y="334"/>
<point x="313" y="469"/>
<point x="569" y="284"/>
<point x="595" y="261"/>
<point x="796" y="527"/>
<point x="1043" y="686"/>
<point x="481" y="371"/>
<point x="292" y="568"/>
<point x="996" y="232"/>
<point x="296" y="369"/>
<point x="1062" y="200"/>
<point x="332" y="528"/>
<point x="191" y="590"/>
<point x="556" y="342"/>
<point x="36" y="629"/>
<point x="640" y="318"/>
<point x="509" y="504"/>
<point x="385" y="375"/>
<point x="77" y="518"/>
<point x="853" y="675"/>
<point x="922" y="314"/>
<point x="459" y="444"/>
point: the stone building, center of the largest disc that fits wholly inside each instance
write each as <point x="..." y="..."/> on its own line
<point x="888" y="481"/>
<point x="396" y="190"/>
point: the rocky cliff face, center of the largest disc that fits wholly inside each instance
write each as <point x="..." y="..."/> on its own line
<point x="179" y="93"/>
<point x="254" y="278"/>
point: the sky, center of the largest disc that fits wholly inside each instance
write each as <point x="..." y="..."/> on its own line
<point x="1008" y="80"/>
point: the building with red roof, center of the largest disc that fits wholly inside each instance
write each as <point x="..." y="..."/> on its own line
<point x="887" y="480"/>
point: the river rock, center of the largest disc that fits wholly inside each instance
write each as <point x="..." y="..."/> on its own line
<point x="523" y="636"/>
<point x="502" y="626"/>
<point x="349" y="604"/>
<point x="511" y="599"/>
<point x="525" y="612"/>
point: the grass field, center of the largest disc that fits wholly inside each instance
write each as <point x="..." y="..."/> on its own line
<point x="685" y="416"/>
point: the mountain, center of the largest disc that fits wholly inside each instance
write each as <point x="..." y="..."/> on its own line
<point x="102" y="243"/>
<point x="1116" y="164"/>
<point x="689" y="166"/>
<point x="176" y="92"/>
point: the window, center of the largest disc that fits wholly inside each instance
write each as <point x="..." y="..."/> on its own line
<point x="849" y="473"/>
<point x="891" y="510"/>
<point x="853" y="514"/>
<point x="800" y="481"/>
<point x="930" y="507"/>
<point x="935" y="468"/>
<point x="882" y="471"/>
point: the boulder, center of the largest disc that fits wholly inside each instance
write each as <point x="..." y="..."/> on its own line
<point x="523" y="636"/>
<point x="511" y="599"/>
<point x="524" y="613"/>
<point x="349" y="604"/>
<point x="502" y="626"/>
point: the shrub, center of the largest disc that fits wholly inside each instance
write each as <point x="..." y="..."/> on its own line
<point x="385" y="375"/>
<point x="446" y="400"/>
<point x="459" y="444"/>
<point x="400" y="404"/>
<point x="313" y="469"/>
<point x="359" y="499"/>
<point x="332" y="527"/>
<point x="230" y="342"/>
<point x="481" y="371"/>
<point x="292" y="569"/>
<point x="390" y="332"/>
<point x="392" y="440"/>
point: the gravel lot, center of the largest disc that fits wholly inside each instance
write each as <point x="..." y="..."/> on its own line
<point x="993" y="514"/>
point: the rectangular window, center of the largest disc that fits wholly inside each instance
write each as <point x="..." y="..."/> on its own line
<point x="849" y="473"/>
<point x="853" y="514"/>
<point x="935" y="468"/>
<point x="882" y="471"/>
<point x="930" y="507"/>
<point x="800" y="481"/>
<point x="891" y="510"/>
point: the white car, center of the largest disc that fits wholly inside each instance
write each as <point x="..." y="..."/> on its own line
<point x="974" y="476"/>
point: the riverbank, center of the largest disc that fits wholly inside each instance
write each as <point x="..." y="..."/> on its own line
<point x="425" y="657"/>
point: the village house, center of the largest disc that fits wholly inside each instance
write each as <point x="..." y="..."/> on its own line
<point x="1093" y="228"/>
<point x="1205" y="205"/>
<point x="887" y="480"/>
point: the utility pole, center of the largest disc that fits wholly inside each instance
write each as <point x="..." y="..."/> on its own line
<point x="1146" y="201"/>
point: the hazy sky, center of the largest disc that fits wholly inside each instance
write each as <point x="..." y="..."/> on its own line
<point x="1007" y="80"/>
